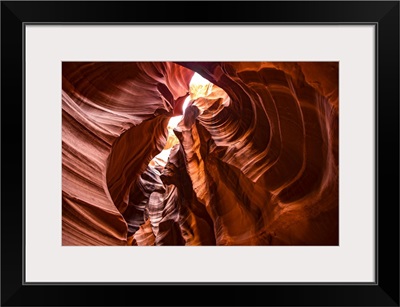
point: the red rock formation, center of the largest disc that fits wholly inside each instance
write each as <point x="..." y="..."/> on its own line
<point x="256" y="162"/>
<point x="114" y="118"/>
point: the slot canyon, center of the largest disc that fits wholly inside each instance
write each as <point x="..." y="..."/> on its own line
<point x="200" y="153"/>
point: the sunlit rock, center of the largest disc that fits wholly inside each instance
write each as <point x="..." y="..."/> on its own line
<point x="198" y="153"/>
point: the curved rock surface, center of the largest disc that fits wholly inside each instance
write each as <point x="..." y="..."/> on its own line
<point x="255" y="161"/>
<point x="114" y="118"/>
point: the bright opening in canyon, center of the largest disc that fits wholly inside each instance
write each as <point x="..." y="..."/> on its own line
<point x="198" y="87"/>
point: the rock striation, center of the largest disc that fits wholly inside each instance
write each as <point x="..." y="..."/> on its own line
<point x="252" y="161"/>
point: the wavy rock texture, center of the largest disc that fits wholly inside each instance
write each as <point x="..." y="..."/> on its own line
<point x="255" y="161"/>
<point x="114" y="118"/>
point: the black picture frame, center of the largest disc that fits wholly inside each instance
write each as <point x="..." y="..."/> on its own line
<point x="383" y="14"/>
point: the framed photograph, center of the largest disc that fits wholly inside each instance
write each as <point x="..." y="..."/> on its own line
<point x="240" y="154"/>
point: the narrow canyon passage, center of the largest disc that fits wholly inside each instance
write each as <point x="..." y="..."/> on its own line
<point x="200" y="153"/>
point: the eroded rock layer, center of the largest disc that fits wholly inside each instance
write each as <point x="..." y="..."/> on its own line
<point x="114" y="117"/>
<point x="255" y="163"/>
